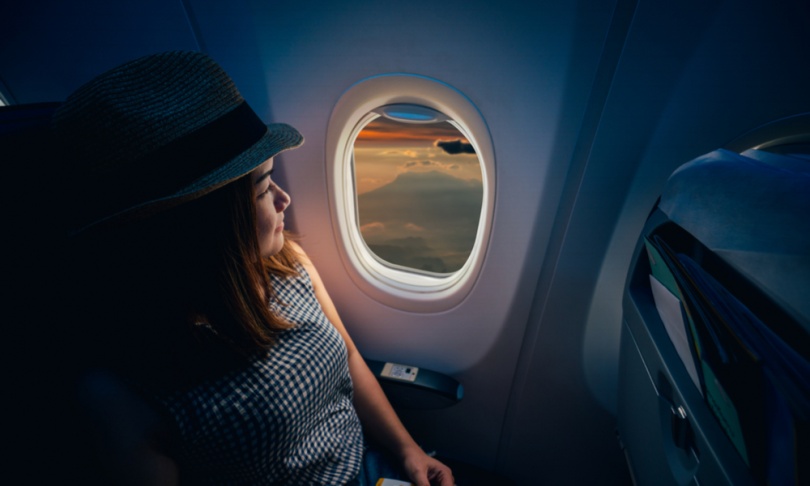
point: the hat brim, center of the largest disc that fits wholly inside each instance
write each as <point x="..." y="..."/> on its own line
<point x="278" y="138"/>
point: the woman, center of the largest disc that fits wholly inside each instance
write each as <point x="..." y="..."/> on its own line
<point x="184" y="283"/>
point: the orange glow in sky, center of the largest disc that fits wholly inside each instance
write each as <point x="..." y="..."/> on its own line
<point x="384" y="149"/>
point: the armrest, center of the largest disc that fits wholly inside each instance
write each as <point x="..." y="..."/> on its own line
<point x="416" y="388"/>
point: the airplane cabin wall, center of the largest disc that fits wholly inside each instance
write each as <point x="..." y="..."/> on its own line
<point x="529" y="71"/>
<point x="590" y="105"/>
<point x="48" y="48"/>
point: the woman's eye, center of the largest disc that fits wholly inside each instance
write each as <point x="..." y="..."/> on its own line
<point x="268" y="190"/>
<point x="270" y="184"/>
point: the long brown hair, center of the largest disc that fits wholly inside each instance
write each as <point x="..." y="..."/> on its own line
<point x="180" y="295"/>
<point x="245" y="278"/>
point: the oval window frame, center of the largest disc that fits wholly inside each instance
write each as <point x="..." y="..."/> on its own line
<point x="386" y="283"/>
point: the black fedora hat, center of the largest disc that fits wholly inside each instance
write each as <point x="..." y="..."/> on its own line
<point x="156" y="132"/>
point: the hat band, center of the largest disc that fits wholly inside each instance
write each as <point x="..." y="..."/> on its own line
<point x="170" y="170"/>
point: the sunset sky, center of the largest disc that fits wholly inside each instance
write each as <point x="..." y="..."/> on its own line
<point x="419" y="193"/>
<point x="385" y="149"/>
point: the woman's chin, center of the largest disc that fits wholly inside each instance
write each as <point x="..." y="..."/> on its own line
<point x="273" y="247"/>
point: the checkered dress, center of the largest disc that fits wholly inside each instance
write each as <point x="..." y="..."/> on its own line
<point x="286" y="418"/>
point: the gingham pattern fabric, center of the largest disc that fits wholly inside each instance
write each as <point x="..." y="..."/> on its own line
<point x="287" y="418"/>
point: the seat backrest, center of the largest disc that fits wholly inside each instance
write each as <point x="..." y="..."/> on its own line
<point x="71" y="425"/>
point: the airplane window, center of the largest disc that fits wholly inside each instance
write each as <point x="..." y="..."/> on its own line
<point x="418" y="182"/>
<point x="411" y="172"/>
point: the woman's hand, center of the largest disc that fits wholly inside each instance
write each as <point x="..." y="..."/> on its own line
<point x="424" y="470"/>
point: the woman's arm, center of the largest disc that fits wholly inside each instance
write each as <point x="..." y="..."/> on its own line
<point x="378" y="417"/>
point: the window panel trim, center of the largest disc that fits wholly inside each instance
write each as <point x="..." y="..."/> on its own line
<point x="384" y="282"/>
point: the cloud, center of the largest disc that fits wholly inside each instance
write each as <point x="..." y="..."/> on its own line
<point x="454" y="147"/>
<point x="414" y="227"/>
<point x="370" y="228"/>
<point x="423" y="163"/>
<point x="401" y="153"/>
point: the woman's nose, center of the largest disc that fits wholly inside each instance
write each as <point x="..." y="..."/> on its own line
<point x="282" y="199"/>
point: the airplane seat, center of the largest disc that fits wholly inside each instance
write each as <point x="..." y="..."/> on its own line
<point x="24" y="132"/>
<point x="125" y="436"/>
<point x="70" y="426"/>
<point x="715" y="343"/>
<point x="27" y="221"/>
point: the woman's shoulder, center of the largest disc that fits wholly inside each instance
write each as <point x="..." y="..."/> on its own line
<point x="307" y="265"/>
<point x="301" y="257"/>
<point x="300" y="254"/>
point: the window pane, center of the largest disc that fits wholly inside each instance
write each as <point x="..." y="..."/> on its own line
<point x="419" y="193"/>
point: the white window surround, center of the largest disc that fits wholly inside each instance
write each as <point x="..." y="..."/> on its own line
<point x="392" y="286"/>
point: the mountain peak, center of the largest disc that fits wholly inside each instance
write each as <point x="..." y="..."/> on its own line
<point x="429" y="181"/>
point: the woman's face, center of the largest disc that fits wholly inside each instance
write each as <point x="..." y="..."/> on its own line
<point x="271" y="201"/>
